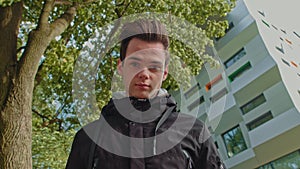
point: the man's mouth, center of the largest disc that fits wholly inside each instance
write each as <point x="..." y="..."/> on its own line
<point x="142" y="85"/>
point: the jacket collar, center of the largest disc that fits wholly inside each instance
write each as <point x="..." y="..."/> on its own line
<point x="122" y="94"/>
<point x="139" y="110"/>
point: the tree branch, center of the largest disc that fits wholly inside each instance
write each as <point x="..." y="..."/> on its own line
<point x="21" y="48"/>
<point x="126" y="7"/>
<point x="85" y="3"/>
<point x="47" y="8"/>
<point x="38" y="77"/>
<point x="10" y="18"/>
<point x="40" y="115"/>
<point x="60" y="109"/>
<point x="118" y="12"/>
<point x="62" y="2"/>
<point x="61" y="24"/>
<point x="120" y="4"/>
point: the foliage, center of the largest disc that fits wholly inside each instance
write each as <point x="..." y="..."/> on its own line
<point x="54" y="107"/>
<point x="50" y="147"/>
<point x="4" y="3"/>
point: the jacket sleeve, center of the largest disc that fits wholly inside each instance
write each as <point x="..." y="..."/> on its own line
<point x="78" y="156"/>
<point x="208" y="155"/>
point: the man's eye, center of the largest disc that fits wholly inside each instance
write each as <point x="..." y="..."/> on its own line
<point x="134" y="64"/>
<point x="155" y="68"/>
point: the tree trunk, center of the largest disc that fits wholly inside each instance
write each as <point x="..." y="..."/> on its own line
<point x="15" y="126"/>
<point x="17" y="80"/>
<point x="15" y="114"/>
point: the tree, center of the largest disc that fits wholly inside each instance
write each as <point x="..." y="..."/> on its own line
<point x="39" y="45"/>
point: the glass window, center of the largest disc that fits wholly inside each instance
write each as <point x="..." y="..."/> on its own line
<point x="294" y="64"/>
<point x="296" y="34"/>
<point x="217" y="145"/>
<point x="240" y="71"/>
<point x="280" y="49"/>
<point x="234" y="141"/>
<point x="192" y="91"/>
<point x="213" y="82"/>
<point x="285" y="62"/>
<point x="265" y="23"/>
<point x="289" y="42"/>
<point x="260" y="120"/>
<point x="261" y="12"/>
<point x="253" y="103"/>
<point x="218" y="95"/>
<point x="230" y="26"/>
<point x="196" y="103"/>
<point x="290" y="161"/>
<point x="274" y="27"/>
<point x="282" y="30"/>
<point x="238" y="55"/>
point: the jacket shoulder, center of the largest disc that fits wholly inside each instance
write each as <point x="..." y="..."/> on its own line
<point x="81" y="145"/>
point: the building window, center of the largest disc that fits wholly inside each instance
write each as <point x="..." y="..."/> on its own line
<point x="280" y="49"/>
<point x="237" y="56"/>
<point x="192" y="91"/>
<point x="260" y="120"/>
<point x="285" y="62"/>
<point x="291" y="160"/>
<point x="261" y="12"/>
<point x="274" y="27"/>
<point x="216" y="144"/>
<point x="239" y="72"/>
<point x="289" y="42"/>
<point x="230" y="26"/>
<point x="253" y="103"/>
<point x="283" y="31"/>
<point x="196" y="103"/>
<point x="294" y="64"/>
<point x="265" y="23"/>
<point x="209" y="85"/>
<point x="234" y="141"/>
<point x="219" y="95"/>
<point x="296" y="34"/>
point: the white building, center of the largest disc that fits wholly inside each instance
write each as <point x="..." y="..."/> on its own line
<point x="252" y="104"/>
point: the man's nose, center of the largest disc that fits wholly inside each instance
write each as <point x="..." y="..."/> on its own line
<point x="144" y="73"/>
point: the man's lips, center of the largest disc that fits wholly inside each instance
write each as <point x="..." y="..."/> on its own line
<point x="142" y="85"/>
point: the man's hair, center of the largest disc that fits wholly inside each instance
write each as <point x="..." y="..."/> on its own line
<point x="146" y="30"/>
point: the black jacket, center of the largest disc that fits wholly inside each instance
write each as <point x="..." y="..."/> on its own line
<point x="127" y="136"/>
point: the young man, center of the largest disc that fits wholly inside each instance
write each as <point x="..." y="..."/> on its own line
<point x="140" y="128"/>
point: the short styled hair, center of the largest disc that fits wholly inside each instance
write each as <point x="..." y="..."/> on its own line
<point x="146" y="30"/>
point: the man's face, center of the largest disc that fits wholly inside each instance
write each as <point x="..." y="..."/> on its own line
<point x="143" y="70"/>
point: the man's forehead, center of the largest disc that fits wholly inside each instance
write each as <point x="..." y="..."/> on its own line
<point x="149" y="53"/>
<point x="146" y="60"/>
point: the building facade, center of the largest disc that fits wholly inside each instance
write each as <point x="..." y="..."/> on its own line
<point x="252" y="103"/>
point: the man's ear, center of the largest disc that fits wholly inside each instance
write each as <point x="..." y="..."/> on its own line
<point x="165" y="73"/>
<point x="119" y="67"/>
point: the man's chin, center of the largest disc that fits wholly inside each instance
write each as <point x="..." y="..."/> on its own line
<point x="143" y="95"/>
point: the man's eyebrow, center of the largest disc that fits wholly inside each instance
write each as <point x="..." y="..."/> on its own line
<point x="156" y="62"/>
<point x="139" y="59"/>
<point x="134" y="58"/>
